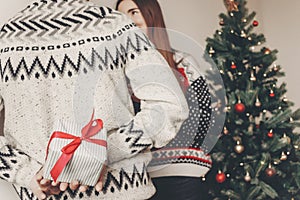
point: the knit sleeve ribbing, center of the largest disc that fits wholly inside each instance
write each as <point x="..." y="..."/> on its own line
<point x="163" y="105"/>
<point x="15" y="165"/>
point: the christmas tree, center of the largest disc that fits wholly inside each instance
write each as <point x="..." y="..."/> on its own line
<point x="257" y="155"/>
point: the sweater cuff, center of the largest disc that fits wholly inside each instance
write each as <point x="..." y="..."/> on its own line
<point x="18" y="168"/>
<point x="126" y="142"/>
<point x="26" y="172"/>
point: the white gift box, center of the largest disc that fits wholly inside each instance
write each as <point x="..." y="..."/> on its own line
<point x="88" y="159"/>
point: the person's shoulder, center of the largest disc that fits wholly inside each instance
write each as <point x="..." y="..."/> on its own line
<point x="66" y="18"/>
<point x="110" y="15"/>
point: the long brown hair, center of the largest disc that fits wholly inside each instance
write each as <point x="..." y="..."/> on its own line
<point x="153" y="16"/>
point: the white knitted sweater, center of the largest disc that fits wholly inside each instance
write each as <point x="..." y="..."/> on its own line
<point x="185" y="154"/>
<point x="43" y="51"/>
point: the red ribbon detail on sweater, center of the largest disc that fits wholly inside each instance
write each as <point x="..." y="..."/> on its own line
<point x="68" y="151"/>
<point x="186" y="81"/>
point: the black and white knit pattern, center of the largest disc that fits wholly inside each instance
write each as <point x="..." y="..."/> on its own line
<point x="43" y="50"/>
<point x="114" y="184"/>
<point x="186" y="147"/>
<point x="11" y="161"/>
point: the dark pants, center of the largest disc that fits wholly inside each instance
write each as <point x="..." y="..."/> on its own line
<point x="177" y="188"/>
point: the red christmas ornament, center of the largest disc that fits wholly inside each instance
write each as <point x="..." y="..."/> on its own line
<point x="220" y="177"/>
<point x="270" y="134"/>
<point x="233" y="66"/>
<point x="255" y="23"/>
<point x="239" y="107"/>
<point x="270" y="171"/>
<point x="272" y="94"/>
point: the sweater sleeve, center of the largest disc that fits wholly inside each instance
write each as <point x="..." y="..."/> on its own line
<point x="15" y="165"/>
<point x="163" y="105"/>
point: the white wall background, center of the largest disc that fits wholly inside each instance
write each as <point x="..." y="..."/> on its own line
<point x="282" y="30"/>
<point x="279" y="22"/>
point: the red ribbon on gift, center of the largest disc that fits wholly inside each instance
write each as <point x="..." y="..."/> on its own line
<point x="68" y="151"/>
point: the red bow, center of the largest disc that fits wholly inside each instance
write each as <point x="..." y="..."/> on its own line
<point x="87" y="132"/>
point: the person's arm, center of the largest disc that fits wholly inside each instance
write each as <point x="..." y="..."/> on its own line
<point x="163" y="105"/>
<point x="15" y="165"/>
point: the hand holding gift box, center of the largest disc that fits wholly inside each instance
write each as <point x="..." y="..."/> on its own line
<point x="76" y="154"/>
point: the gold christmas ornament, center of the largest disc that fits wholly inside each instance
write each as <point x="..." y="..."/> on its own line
<point x="211" y="50"/>
<point x="243" y="34"/>
<point x="257" y="102"/>
<point x="275" y="68"/>
<point x="227" y="109"/>
<point x="221" y="22"/>
<point x="225" y="131"/>
<point x="247" y="177"/>
<point x="252" y="78"/>
<point x="276" y="162"/>
<point x="239" y="148"/>
<point x="283" y="156"/>
<point x="267" y="51"/>
<point x="231" y="5"/>
<point x="264" y="146"/>
<point x="286" y="139"/>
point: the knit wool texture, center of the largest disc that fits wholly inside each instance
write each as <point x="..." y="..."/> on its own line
<point x="43" y="51"/>
<point x="185" y="154"/>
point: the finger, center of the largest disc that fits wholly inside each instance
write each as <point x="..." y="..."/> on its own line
<point x="99" y="186"/>
<point x="103" y="171"/>
<point x="63" y="186"/>
<point x="54" y="190"/>
<point x="45" y="182"/>
<point x="44" y="189"/>
<point x="83" y="188"/>
<point x="55" y="183"/>
<point x="38" y="177"/>
<point x="40" y="194"/>
<point x="74" y="185"/>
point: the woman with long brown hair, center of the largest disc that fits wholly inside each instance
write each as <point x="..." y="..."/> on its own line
<point x="175" y="169"/>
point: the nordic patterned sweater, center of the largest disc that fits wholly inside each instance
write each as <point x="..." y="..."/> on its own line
<point x="44" y="50"/>
<point x="184" y="155"/>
